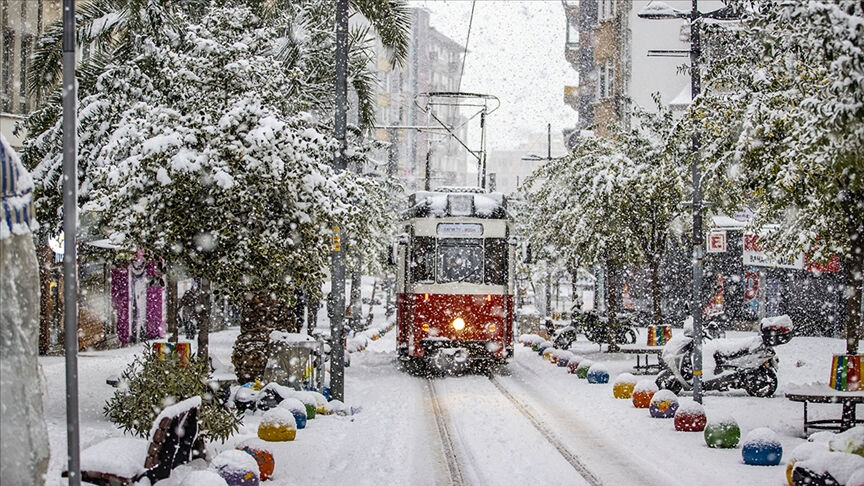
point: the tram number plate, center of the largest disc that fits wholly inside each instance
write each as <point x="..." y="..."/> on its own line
<point x="460" y="229"/>
<point x="337" y="239"/>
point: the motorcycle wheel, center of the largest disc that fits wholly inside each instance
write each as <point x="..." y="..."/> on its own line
<point x="762" y="383"/>
<point x="667" y="381"/>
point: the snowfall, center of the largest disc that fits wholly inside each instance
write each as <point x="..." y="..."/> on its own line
<point x="393" y="437"/>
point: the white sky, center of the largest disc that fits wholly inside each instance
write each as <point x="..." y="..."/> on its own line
<point x="516" y="52"/>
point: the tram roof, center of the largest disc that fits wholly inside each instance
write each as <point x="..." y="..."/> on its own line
<point x="453" y="202"/>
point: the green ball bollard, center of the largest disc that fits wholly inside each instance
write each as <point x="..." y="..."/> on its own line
<point x="723" y="434"/>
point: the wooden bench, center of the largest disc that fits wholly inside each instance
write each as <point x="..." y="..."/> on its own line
<point x="826" y="394"/>
<point x="121" y="461"/>
<point x="646" y="352"/>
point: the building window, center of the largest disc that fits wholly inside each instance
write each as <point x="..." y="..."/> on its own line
<point x="572" y="31"/>
<point x="606" y="10"/>
<point x="26" y="43"/>
<point x="8" y="94"/>
<point x="606" y="80"/>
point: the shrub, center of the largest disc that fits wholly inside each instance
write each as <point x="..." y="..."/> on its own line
<point x="150" y="383"/>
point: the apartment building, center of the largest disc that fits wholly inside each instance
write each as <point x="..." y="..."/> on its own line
<point x="433" y="65"/>
<point x="21" y="23"/>
<point x="616" y="55"/>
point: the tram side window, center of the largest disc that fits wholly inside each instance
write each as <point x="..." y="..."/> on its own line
<point x="496" y="261"/>
<point x="423" y="259"/>
<point x="460" y="260"/>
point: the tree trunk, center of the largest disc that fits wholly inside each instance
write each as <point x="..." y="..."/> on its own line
<point x="372" y="301"/>
<point x="854" y="277"/>
<point x="356" y="310"/>
<point x="204" y="319"/>
<point x="261" y="314"/>
<point x="575" y="293"/>
<point x="655" y="292"/>
<point x="611" y="305"/>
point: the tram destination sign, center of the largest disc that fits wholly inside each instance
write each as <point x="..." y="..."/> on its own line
<point x="460" y="229"/>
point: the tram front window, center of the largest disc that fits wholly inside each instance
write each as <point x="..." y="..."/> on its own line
<point x="460" y="260"/>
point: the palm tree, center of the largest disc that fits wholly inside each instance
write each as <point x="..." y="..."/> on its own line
<point x="113" y="30"/>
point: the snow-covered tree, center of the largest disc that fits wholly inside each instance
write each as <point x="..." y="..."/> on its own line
<point x="112" y="30"/>
<point x="783" y="116"/>
<point x="209" y="152"/>
<point x="612" y="201"/>
<point x="578" y="205"/>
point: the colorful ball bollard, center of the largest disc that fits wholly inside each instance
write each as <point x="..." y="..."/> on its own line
<point x="264" y="458"/>
<point x="309" y="402"/>
<point x="237" y="468"/>
<point x="801" y="453"/>
<point x="564" y="359"/>
<point x="582" y="369"/>
<point x="761" y="448"/>
<point x="203" y="476"/>
<point x="663" y="404"/>
<point x="623" y="386"/>
<point x="643" y="392"/>
<point x="722" y="433"/>
<point x="297" y="409"/>
<point x="547" y="353"/>
<point x="573" y="365"/>
<point x="278" y="425"/>
<point x="597" y="374"/>
<point x="690" y="417"/>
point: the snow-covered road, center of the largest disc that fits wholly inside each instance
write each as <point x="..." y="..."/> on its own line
<point x="532" y="423"/>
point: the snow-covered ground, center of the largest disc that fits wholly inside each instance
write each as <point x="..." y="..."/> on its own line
<point x="395" y="438"/>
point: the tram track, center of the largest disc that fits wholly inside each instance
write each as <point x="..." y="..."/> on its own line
<point x="625" y="468"/>
<point x="452" y="460"/>
<point x="453" y="448"/>
<point x="547" y="434"/>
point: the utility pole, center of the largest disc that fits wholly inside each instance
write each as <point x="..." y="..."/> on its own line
<point x="337" y="274"/>
<point x="698" y="243"/>
<point x="696" y="204"/>
<point x="70" y="245"/>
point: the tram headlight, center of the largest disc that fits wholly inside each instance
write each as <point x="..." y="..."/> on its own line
<point x="458" y="324"/>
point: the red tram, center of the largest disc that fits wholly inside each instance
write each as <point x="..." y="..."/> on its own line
<point x="455" y="278"/>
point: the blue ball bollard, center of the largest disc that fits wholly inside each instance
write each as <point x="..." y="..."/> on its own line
<point x="597" y="374"/>
<point x="542" y="347"/>
<point x="297" y="409"/>
<point x="761" y="448"/>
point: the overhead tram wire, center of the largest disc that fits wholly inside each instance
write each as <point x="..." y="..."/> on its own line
<point x="465" y="53"/>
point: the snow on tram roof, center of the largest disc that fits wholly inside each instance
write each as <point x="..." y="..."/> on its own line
<point x="456" y="202"/>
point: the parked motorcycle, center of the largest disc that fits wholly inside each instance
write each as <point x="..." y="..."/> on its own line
<point x="746" y="363"/>
<point x="595" y="328"/>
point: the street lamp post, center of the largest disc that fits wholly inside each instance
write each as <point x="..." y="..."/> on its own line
<point x="70" y="251"/>
<point x="337" y="274"/>
<point x="658" y="11"/>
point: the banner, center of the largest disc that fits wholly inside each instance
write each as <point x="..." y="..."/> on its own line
<point x="753" y="255"/>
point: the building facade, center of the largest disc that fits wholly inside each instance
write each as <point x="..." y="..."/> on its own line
<point x="433" y="65"/>
<point x="618" y="58"/>
<point x="21" y="22"/>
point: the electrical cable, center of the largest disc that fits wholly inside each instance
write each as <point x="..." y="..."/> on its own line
<point x="465" y="54"/>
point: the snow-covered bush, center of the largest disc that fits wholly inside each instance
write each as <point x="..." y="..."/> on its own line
<point x="154" y="381"/>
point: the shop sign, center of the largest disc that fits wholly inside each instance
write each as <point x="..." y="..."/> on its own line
<point x="753" y="255"/>
<point x="716" y="242"/>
